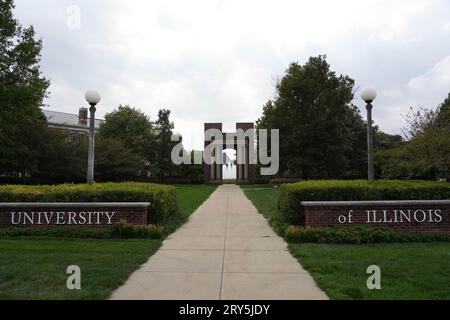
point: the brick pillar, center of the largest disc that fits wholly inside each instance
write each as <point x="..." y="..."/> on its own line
<point x="211" y="172"/>
<point x="246" y="171"/>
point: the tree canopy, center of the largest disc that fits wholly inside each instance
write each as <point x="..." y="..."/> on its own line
<point x="22" y="90"/>
<point x="426" y="153"/>
<point x="322" y="134"/>
<point x="129" y="125"/>
<point x="150" y="140"/>
<point x="163" y="144"/>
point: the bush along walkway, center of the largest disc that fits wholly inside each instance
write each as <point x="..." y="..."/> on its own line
<point x="225" y="251"/>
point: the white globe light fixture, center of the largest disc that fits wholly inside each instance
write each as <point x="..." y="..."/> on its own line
<point x="368" y="95"/>
<point x="92" y="97"/>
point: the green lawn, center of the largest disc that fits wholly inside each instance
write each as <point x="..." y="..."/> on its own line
<point x="265" y="199"/>
<point x="191" y="197"/>
<point x="408" y="271"/>
<point x="35" y="268"/>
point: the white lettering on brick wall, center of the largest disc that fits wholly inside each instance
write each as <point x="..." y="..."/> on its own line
<point x="62" y="218"/>
<point x="396" y="216"/>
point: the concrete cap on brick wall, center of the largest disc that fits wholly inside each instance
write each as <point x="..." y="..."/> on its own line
<point x="75" y="205"/>
<point x="374" y="203"/>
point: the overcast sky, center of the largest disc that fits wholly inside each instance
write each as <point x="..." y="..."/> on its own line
<point x="217" y="61"/>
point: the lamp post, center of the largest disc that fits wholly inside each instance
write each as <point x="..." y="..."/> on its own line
<point x="369" y="95"/>
<point x="92" y="97"/>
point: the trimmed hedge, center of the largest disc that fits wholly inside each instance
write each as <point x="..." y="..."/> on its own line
<point x="120" y="231"/>
<point x="163" y="198"/>
<point x="360" y="235"/>
<point x="126" y="231"/>
<point x="57" y="232"/>
<point x="291" y="195"/>
<point x="279" y="181"/>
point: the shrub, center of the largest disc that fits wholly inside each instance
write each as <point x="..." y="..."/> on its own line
<point x="279" y="181"/>
<point x="291" y="195"/>
<point x="57" y="232"/>
<point x="123" y="230"/>
<point x="359" y="235"/>
<point x="163" y="199"/>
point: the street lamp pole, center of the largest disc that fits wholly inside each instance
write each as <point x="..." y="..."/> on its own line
<point x="369" y="95"/>
<point x="92" y="97"/>
<point x="370" y="168"/>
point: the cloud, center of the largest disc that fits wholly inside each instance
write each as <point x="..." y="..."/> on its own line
<point x="446" y="26"/>
<point x="425" y="90"/>
<point x="216" y="60"/>
<point x="434" y="81"/>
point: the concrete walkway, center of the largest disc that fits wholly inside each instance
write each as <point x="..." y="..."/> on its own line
<point x="226" y="251"/>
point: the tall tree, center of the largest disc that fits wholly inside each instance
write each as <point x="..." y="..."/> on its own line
<point x="22" y="90"/>
<point x="134" y="130"/>
<point x="130" y="126"/>
<point x="163" y="144"/>
<point x="443" y="114"/>
<point x="321" y="132"/>
<point x="59" y="159"/>
<point x="115" y="162"/>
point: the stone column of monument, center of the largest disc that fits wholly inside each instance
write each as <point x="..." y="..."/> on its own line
<point x="212" y="169"/>
<point x="247" y="159"/>
<point x="246" y="172"/>
<point x="240" y="152"/>
<point x="212" y="172"/>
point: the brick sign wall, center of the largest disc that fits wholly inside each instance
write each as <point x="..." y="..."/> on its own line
<point x="401" y="215"/>
<point x="94" y="215"/>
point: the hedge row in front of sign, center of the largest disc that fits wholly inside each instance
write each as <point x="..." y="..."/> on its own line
<point x="292" y="195"/>
<point x="121" y="230"/>
<point x="360" y="235"/>
<point x="162" y="198"/>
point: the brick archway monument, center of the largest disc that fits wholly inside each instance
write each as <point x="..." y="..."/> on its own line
<point x="245" y="173"/>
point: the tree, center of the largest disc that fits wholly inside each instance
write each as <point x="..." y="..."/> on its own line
<point x="443" y="114"/>
<point x="134" y="130"/>
<point x="190" y="172"/>
<point x="322" y="135"/>
<point x="426" y="155"/>
<point x="62" y="160"/>
<point x="151" y="141"/>
<point x="22" y="90"/>
<point x="417" y="122"/>
<point x="130" y="126"/>
<point x="115" y="162"/>
<point x="385" y="141"/>
<point x="163" y="145"/>
<point x="357" y="158"/>
<point x="59" y="159"/>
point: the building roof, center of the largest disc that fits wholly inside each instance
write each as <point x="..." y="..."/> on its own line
<point x="67" y="120"/>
